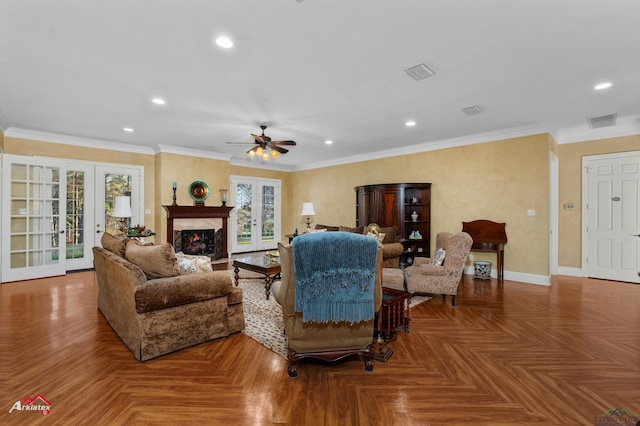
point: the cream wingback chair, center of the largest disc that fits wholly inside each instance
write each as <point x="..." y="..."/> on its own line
<point x="330" y="291"/>
<point x="425" y="277"/>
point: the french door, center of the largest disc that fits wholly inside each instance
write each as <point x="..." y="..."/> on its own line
<point x="33" y="218"/>
<point x="255" y="220"/>
<point x="612" y="213"/>
<point x="91" y="191"/>
<point x="54" y="211"/>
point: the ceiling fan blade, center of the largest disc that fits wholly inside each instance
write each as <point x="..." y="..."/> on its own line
<point x="258" y="138"/>
<point x="280" y="150"/>
<point x="290" y="143"/>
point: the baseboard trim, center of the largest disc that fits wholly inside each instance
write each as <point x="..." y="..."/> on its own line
<point x="516" y="276"/>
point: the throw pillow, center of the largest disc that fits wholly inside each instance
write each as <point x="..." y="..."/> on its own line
<point x="155" y="261"/>
<point x="438" y="257"/>
<point x="379" y="237"/>
<point x="114" y="244"/>
<point x="190" y="264"/>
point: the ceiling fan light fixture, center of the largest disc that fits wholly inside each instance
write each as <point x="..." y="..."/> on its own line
<point x="259" y="151"/>
<point x="265" y="155"/>
<point x="274" y="154"/>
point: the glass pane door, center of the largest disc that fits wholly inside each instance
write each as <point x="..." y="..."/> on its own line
<point x="80" y="221"/>
<point x="112" y="182"/>
<point x="255" y="221"/>
<point x="34" y="216"/>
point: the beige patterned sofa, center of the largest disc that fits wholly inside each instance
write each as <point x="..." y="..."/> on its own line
<point x="156" y="310"/>
<point x="392" y="249"/>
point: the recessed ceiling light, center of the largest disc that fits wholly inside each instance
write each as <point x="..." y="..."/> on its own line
<point x="328" y="142"/>
<point x="128" y="129"/>
<point x="224" y="42"/>
<point x="158" y="101"/>
<point x="410" y="123"/>
<point x="603" y="85"/>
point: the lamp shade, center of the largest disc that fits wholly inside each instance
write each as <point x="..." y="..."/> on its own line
<point x="123" y="206"/>
<point x="307" y="210"/>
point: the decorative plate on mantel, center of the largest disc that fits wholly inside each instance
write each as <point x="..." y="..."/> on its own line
<point x="199" y="191"/>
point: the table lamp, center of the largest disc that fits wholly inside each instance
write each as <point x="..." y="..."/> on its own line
<point x="122" y="210"/>
<point x="307" y="210"/>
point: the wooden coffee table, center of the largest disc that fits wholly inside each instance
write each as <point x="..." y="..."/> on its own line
<point x="265" y="265"/>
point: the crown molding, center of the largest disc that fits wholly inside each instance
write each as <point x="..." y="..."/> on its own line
<point x="436" y="145"/>
<point x="170" y="149"/>
<point x="36" y="135"/>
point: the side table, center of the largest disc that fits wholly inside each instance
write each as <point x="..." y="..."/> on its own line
<point x="393" y="314"/>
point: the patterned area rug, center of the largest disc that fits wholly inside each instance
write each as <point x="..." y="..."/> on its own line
<point x="263" y="318"/>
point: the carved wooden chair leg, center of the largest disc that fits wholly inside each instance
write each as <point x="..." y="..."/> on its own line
<point x="453" y="300"/>
<point x="293" y="369"/>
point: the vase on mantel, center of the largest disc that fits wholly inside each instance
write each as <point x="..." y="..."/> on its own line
<point x="414" y="216"/>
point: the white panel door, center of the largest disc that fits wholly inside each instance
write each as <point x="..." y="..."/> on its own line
<point x="613" y="224"/>
<point x="255" y="220"/>
<point x="33" y="217"/>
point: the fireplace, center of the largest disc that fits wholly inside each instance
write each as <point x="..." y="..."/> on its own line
<point x="200" y="242"/>
<point x="193" y="215"/>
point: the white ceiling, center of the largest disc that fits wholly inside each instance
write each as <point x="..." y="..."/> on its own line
<point x="316" y="70"/>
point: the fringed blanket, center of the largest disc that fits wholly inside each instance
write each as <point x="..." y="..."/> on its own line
<point x="335" y="276"/>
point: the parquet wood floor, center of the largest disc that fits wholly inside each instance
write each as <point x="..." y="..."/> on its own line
<point x="513" y="354"/>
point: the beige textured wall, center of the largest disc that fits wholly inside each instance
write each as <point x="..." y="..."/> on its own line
<point x="25" y="147"/>
<point x="570" y="221"/>
<point x="184" y="170"/>
<point x="498" y="180"/>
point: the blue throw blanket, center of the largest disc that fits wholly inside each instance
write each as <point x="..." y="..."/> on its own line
<point x="335" y="276"/>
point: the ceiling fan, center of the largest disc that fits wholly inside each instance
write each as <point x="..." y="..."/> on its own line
<point x="265" y="147"/>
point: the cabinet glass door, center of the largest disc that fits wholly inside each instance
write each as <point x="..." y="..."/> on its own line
<point x="33" y="215"/>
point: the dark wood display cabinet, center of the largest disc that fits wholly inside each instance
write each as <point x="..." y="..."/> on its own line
<point x="405" y="206"/>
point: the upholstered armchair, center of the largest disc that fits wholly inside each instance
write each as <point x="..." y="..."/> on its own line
<point x="330" y="291"/>
<point x="425" y="277"/>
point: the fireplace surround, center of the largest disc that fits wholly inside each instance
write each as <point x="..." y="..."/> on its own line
<point x="200" y="212"/>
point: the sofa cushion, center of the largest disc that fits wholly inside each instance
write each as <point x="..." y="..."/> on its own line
<point x="327" y="227"/>
<point x="190" y="264"/>
<point x="114" y="244"/>
<point x="157" y="261"/>
<point x="389" y="234"/>
<point x="356" y="230"/>
<point x="167" y="292"/>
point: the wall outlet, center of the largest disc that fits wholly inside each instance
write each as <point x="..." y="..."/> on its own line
<point x="531" y="212"/>
<point x="569" y="206"/>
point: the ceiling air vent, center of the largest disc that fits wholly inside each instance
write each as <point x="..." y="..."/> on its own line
<point x="602" y="121"/>
<point x="472" y="110"/>
<point x="419" y="72"/>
